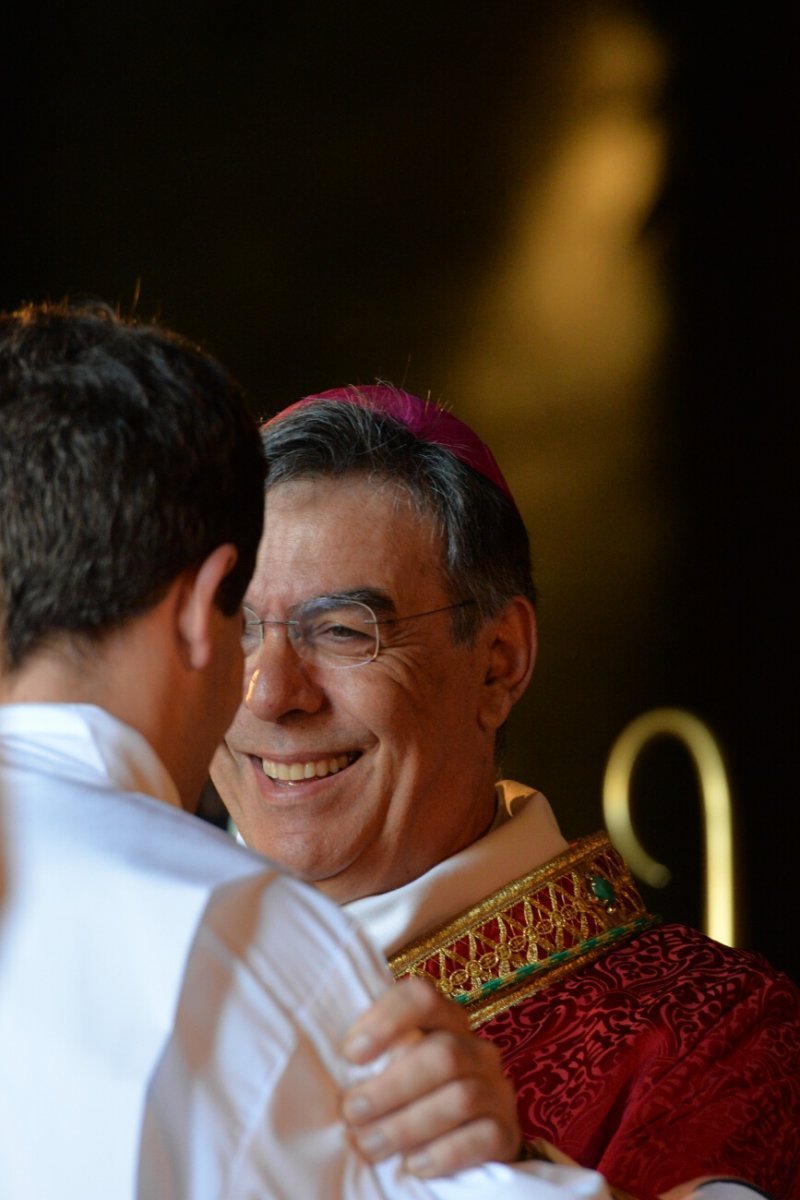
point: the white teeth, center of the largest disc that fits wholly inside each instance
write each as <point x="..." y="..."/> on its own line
<point x="296" y="771"/>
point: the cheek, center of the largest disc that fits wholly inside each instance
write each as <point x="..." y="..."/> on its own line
<point x="407" y="730"/>
<point x="381" y="705"/>
<point x="227" y="779"/>
<point x="404" y="707"/>
<point x="220" y="765"/>
<point x="241" y="711"/>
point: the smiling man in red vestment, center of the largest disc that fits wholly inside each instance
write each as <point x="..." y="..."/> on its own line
<point x="390" y="628"/>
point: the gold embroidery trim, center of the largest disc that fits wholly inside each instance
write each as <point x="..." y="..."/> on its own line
<point x="531" y="932"/>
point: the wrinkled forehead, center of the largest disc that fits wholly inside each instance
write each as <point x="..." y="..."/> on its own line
<point x="324" y="534"/>
<point x="413" y="510"/>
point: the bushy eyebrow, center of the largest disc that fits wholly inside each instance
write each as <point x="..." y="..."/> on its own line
<point x="378" y="600"/>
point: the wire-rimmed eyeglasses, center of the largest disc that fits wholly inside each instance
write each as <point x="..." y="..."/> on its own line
<point x="334" y="631"/>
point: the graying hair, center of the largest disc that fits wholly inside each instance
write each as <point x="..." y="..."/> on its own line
<point x="485" y="552"/>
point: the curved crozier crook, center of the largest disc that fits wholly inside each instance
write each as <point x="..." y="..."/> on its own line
<point x="719" y="903"/>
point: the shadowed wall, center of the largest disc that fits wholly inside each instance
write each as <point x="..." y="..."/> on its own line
<point x="569" y="223"/>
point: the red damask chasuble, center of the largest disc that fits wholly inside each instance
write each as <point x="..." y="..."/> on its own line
<point x="647" y="1052"/>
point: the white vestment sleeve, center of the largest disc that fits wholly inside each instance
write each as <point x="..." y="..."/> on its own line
<point x="246" y="1101"/>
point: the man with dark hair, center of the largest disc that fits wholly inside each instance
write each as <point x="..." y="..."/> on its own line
<point x="172" y="1009"/>
<point x="389" y="630"/>
<point x="93" y="409"/>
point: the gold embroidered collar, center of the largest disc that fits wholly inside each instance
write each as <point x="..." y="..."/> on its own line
<point x="531" y="932"/>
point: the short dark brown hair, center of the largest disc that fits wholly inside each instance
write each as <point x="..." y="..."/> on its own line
<point x="126" y="455"/>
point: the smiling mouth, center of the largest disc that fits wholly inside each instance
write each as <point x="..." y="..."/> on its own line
<point x="297" y="772"/>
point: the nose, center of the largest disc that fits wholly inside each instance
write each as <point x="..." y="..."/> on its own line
<point x="277" y="681"/>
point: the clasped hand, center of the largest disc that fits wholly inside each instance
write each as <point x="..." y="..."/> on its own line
<point x="442" y="1100"/>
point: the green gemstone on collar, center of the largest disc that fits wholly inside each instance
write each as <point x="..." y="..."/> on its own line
<point x="602" y="889"/>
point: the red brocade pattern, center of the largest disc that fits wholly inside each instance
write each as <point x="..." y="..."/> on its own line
<point x="668" y="1058"/>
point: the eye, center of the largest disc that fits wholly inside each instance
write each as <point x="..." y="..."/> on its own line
<point x="346" y="631"/>
<point x="328" y="630"/>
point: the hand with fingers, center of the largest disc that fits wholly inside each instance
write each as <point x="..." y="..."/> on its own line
<point x="442" y="1100"/>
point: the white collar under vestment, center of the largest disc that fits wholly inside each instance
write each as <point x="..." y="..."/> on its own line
<point x="524" y="836"/>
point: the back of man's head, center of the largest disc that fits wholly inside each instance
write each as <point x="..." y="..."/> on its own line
<point x="126" y="456"/>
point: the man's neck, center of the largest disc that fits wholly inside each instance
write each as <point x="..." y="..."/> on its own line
<point x="129" y="673"/>
<point x="51" y="678"/>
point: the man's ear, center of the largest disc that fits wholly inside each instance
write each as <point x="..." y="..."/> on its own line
<point x="511" y="656"/>
<point x="196" y="606"/>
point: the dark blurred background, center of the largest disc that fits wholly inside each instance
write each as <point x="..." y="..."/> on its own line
<point x="572" y="222"/>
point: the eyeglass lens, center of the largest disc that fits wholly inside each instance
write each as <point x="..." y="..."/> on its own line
<point x="344" y="633"/>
